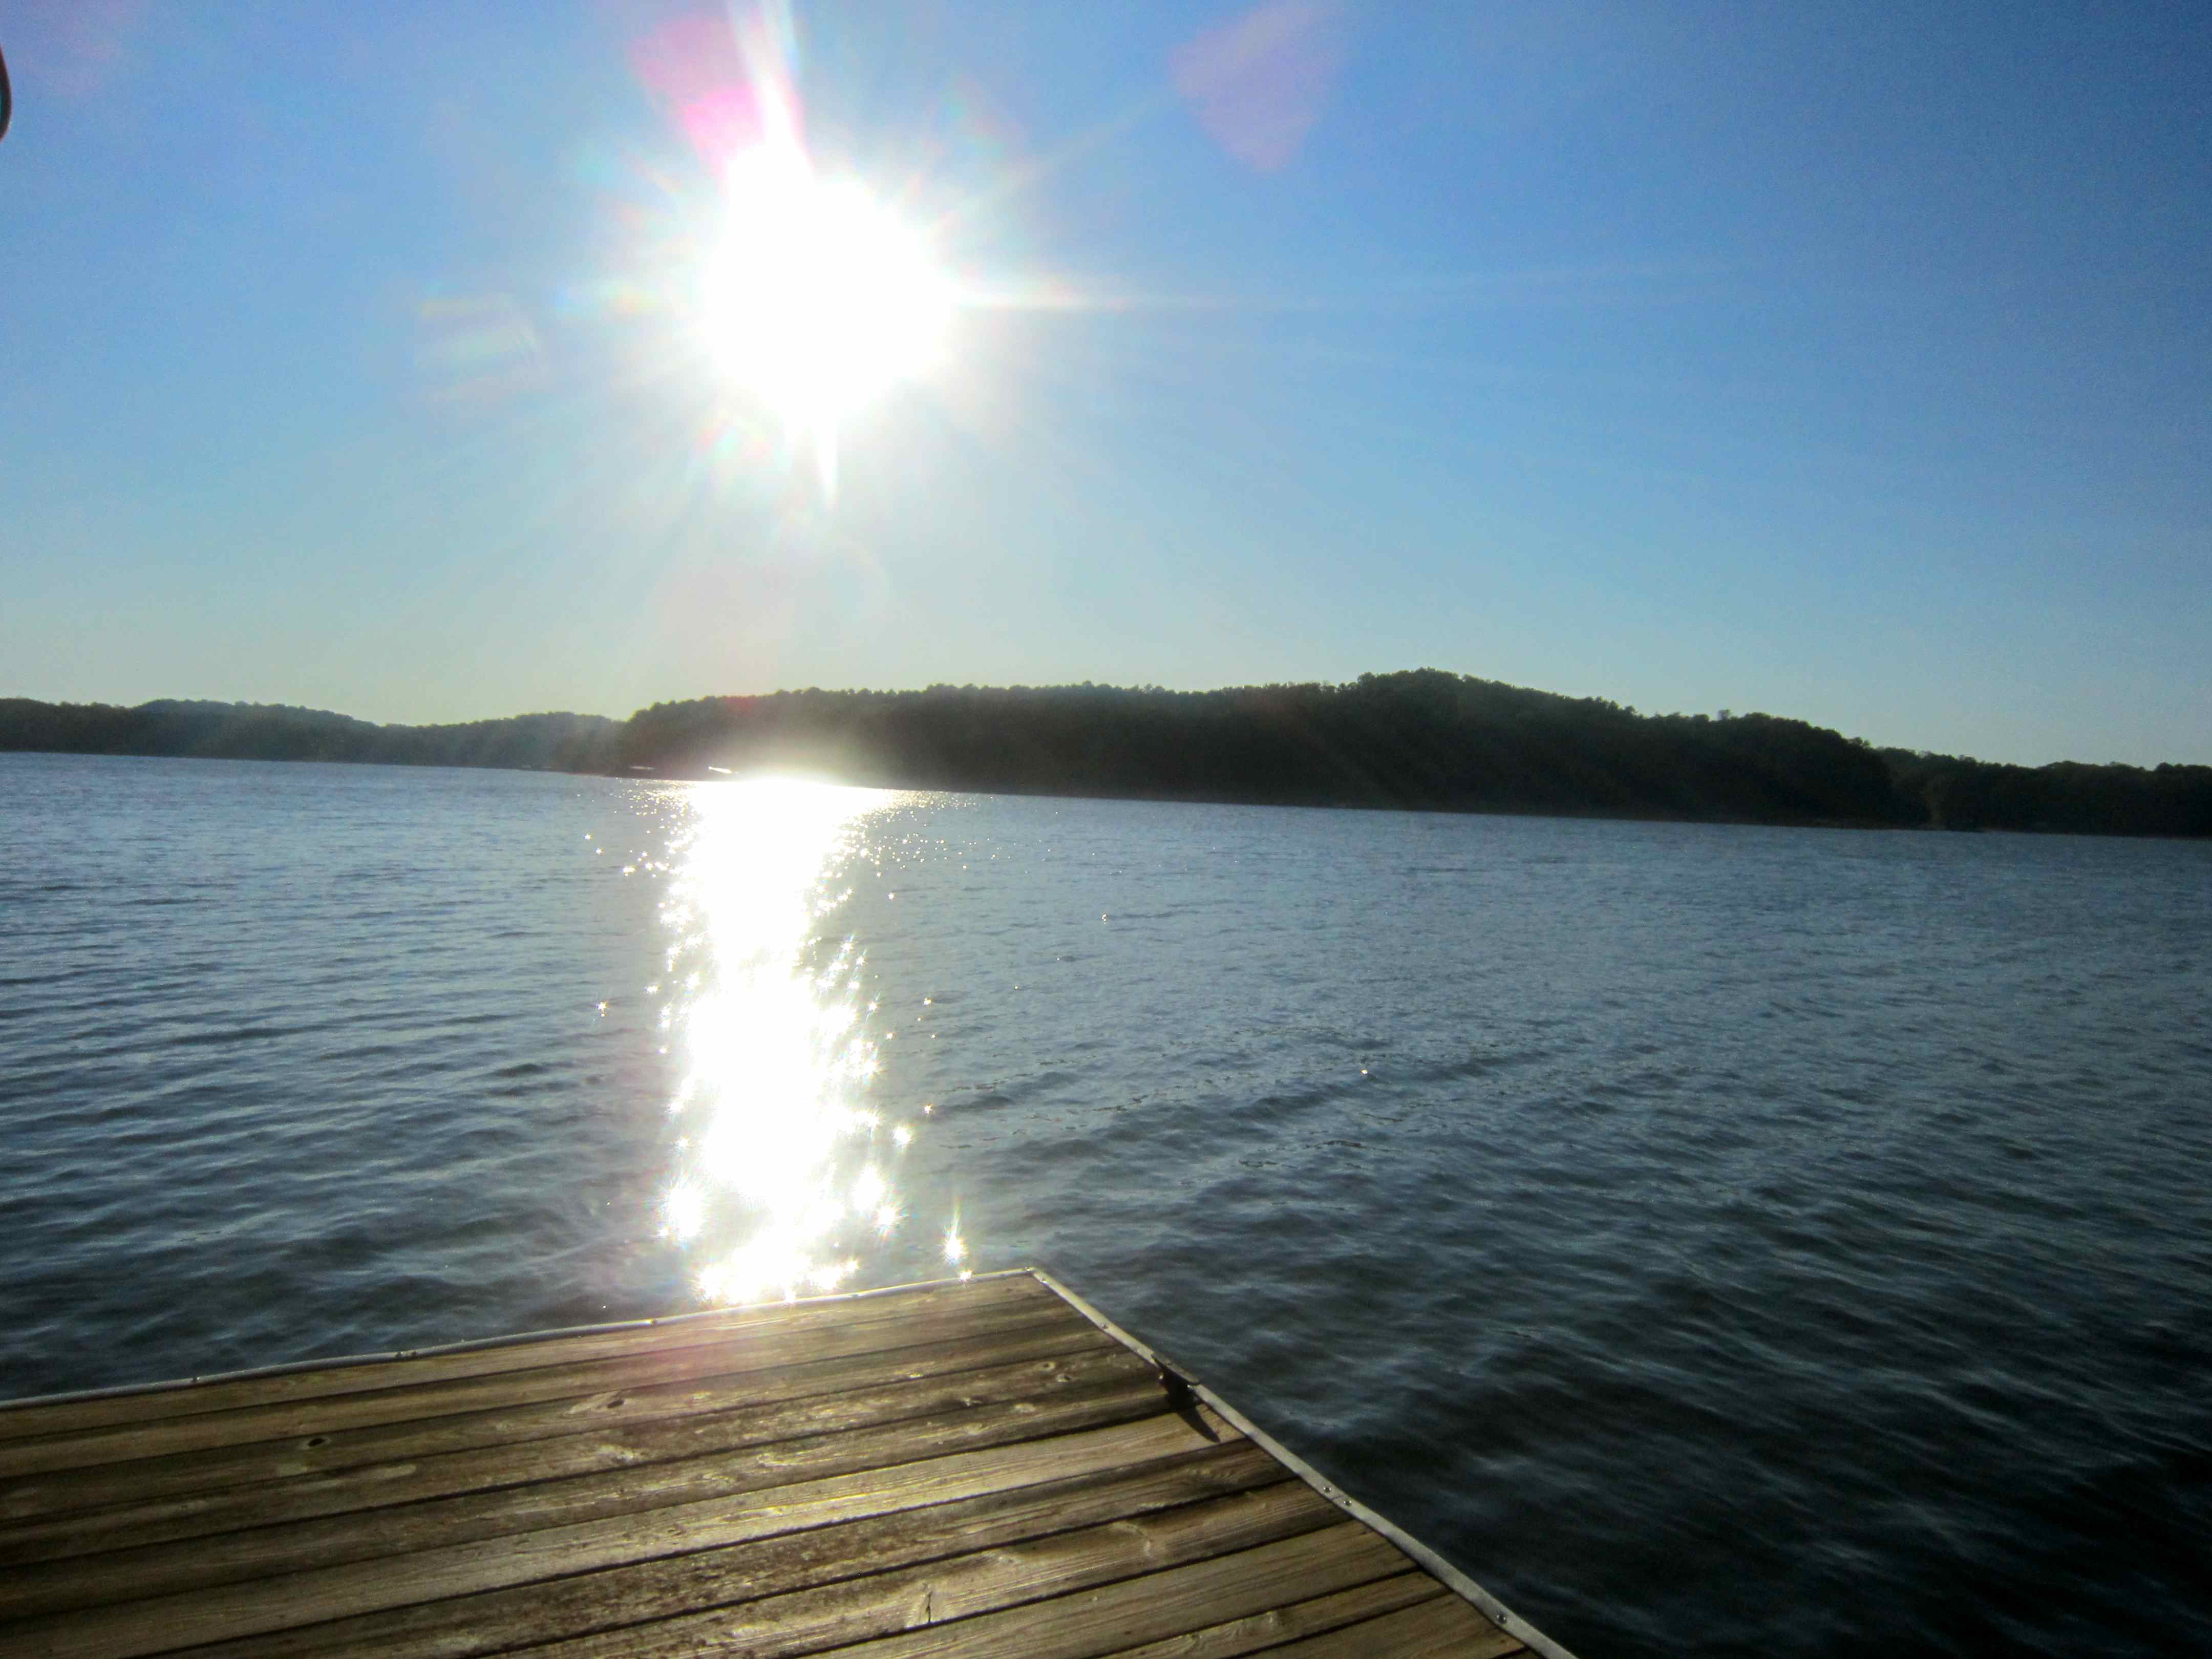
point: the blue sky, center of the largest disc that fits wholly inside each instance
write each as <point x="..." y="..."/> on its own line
<point x="1846" y="362"/>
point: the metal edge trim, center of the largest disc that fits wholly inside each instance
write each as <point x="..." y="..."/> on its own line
<point x="1491" y="1609"/>
<point x="77" y="1396"/>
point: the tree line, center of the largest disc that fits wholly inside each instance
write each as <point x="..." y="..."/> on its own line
<point x="274" y="731"/>
<point x="1424" y="739"/>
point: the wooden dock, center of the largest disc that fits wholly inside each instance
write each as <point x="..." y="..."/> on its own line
<point x="985" y="1467"/>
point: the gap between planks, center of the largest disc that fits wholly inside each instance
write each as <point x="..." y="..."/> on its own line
<point x="991" y="1461"/>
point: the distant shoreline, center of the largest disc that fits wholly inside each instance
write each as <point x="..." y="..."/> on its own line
<point x="1591" y="815"/>
<point x="1421" y="740"/>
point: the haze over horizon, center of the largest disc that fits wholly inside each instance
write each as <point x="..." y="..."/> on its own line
<point x="1846" y="366"/>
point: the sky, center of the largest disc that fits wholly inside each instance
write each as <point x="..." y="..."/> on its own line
<point x="1846" y="362"/>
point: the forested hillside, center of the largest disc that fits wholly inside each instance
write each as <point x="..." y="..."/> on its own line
<point x="1423" y="739"/>
<point x="243" y="730"/>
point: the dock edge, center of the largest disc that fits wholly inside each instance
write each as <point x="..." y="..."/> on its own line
<point x="1491" y="1609"/>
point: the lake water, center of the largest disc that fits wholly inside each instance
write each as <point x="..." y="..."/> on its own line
<point x="1718" y="1240"/>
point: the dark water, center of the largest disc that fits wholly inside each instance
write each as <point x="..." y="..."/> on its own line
<point x="1717" y="1239"/>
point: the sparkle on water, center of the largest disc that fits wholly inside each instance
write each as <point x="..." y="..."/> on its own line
<point x="787" y="1172"/>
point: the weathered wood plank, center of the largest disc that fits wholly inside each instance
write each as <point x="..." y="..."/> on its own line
<point x="958" y="1587"/>
<point x="1277" y="1625"/>
<point x="975" y="1470"/>
<point x="20" y="1418"/>
<point x="1092" y="1623"/>
<point x="1446" y="1628"/>
<point x="454" y="1570"/>
<point x="406" y="1400"/>
<point x="542" y="1441"/>
<point x="983" y="1533"/>
<point x="1128" y="1390"/>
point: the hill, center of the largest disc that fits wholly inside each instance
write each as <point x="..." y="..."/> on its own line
<point x="1423" y="740"/>
<point x="248" y="730"/>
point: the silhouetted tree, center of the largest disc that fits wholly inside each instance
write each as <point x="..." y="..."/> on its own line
<point x="1423" y="739"/>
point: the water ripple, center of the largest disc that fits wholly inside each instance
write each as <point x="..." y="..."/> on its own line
<point x="1726" y="1239"/>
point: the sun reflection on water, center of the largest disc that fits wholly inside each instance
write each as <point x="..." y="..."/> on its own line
<point x="786" y="1174"/>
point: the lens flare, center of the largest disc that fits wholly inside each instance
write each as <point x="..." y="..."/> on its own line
<point x="818" y="299"/>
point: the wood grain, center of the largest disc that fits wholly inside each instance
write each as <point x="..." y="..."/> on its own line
<point x="21" y="1418"/>
<point x="117" y="1632"/>
<point x="549" y="1441"/>
<point x="419" y="1391"/>
<point x="536" y="1502"/>
<point x="960" y="1586"/>
<point x="1446" y="1628"/>
<point x="1277" y="1625"/>
<point x="973" y="1469"/>
<point x="1098" y="1622"/>
<point x="863" y="1573"/>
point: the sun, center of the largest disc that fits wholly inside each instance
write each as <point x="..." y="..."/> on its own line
<point x="818" y="299"/>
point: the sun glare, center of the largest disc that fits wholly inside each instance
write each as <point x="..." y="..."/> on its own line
<point x="818" y="299"/>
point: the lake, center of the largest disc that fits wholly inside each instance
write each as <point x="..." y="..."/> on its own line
<point x="1715" y="1239"/>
